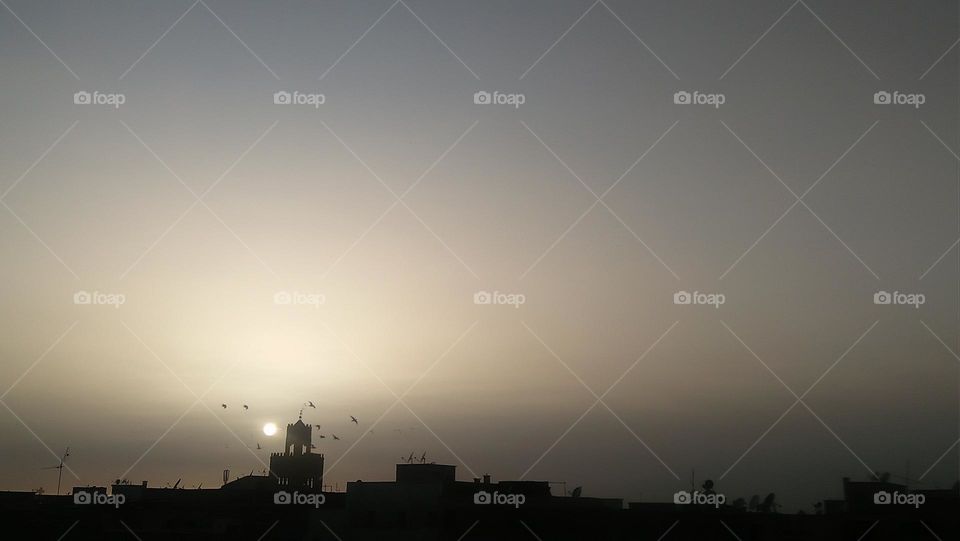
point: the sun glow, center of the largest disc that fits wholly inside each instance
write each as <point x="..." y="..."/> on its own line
<point x="269" y="429"/>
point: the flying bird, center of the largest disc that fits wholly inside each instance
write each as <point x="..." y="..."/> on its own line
<point x="258" y="447"/>
<point x="246" y="407"/>
<point x="354" y="420"/>
<point x="318" y="427"/>
<point x="335" y="437"/>
<point x="224" y="406"/>
<point x="309" y="404"/>
<point x="322" y="437"/>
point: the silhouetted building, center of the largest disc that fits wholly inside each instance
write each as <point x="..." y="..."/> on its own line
<point x="298" y="467"/>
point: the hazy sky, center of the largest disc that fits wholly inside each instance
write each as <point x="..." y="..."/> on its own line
<point x="399" y="198"/>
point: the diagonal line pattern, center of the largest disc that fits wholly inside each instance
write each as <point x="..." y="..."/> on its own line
<point x="615" y="16"/>
<point x="798" y="200"/>
<point x="40" y="358"/>
<point x="599" y="399"/>
<point x="634" y="34"/>
<point x="399" y="398"/>
<point x="274" y="525"/>
<point x="434" y="34"/>
<point x="199" y="200"/>
<point x="939" y="259"/>
<point x="599" y="200"/>
<point x="399" y="200"/>
<point x="38" y="438"/>
<point x="363" y="35"/>
<point x="199" y="400"/>
<point x="845" y="46"/>
<point x="165" y="32"/>
<point x="754" y="44"/>
<point x="942" y="343"/>
<point x="222" y="23"/>
<point x="822" y="23"/>
<point x="39" y="159"/>
<point x="799" y="398"/>
<point x="34" y="34"/>
<point x="380" y="18"/>
<point x="72" y="526"/>
<point x="245" y="46"/>
<point x="938" y="460"/>
<point x="563" y="35"/>
<point x="937" y="61"/>
<point x="17" y="182"/>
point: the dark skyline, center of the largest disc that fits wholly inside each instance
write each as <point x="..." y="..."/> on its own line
<point x="341" y="250"/>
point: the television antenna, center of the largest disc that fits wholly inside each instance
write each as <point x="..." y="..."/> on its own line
<point x="63" y="458"/>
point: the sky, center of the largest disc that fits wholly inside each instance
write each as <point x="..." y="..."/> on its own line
<point x="184" y="241"/>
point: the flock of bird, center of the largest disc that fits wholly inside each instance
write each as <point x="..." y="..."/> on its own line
<point x="310" y="404"/>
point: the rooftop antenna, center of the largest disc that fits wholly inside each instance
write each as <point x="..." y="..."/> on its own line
<point x="66" y="453"/>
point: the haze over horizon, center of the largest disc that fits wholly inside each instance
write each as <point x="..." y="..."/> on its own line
<point x="383" y="212"/>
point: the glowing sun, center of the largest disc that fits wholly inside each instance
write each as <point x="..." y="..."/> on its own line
<point x="269" y="429"/>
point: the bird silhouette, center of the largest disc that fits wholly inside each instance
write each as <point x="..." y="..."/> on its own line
<point x="258" y="447"/>
<point x="246" y="407"/>
<point x="354" y="420"/>
<point x="318" y="427"/>
<point x="335" y="437"/>
<point x="224" y="406"/>
<point x="308" y="403"/>
<point x="322" y="437"/>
